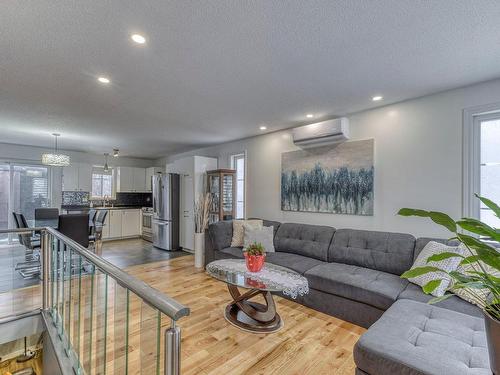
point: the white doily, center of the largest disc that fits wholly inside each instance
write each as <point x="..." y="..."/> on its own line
<point x="289" y="283"/>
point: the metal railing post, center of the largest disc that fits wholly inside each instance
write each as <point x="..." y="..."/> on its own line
<point x="173" y="350"/>
<point x="46" y="253"/>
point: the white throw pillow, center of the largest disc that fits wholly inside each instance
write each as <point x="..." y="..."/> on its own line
<point x="263" y="236"/>
<point x="239" y="230"/>
<point x="478" y="296"/>
<point x="450" y="264"/>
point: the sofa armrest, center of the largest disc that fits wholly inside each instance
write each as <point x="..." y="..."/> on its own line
<point x="209" y="248"/>
<point x="217" y="237"/>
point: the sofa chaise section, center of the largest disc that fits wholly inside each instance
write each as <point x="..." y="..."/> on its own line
<point x="414" y="338"/>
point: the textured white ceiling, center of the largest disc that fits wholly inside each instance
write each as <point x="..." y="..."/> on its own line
<point x="213" y="71"/>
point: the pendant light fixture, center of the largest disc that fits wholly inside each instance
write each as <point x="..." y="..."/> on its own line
<point x="56" y="159"/>
<point x="106" y="166"/>
<point x="116" y="152"/>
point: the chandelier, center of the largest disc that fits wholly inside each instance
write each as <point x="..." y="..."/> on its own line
<point x="55" y="159"/>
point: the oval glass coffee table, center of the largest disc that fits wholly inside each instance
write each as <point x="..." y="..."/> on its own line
<point x="250" y="315"/>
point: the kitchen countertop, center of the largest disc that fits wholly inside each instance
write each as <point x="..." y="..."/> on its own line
<point x="79" y="208"/>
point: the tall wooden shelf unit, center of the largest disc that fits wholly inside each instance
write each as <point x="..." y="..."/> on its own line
<point x="221" y="184"/>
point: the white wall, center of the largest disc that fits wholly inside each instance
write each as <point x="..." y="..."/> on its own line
<point x="418" y="151"/>
<point x="31" y="154"/>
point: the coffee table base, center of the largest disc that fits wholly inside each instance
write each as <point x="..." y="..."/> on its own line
<point x="252" y="316"/>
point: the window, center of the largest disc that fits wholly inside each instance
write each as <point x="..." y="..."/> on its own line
<point x="102" y="183"/>
<point x="481" y="161"/>
<point x="489" y="182"/>
<point x="238" y="163"/>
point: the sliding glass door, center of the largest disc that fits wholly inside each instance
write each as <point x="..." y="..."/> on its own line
<point x="23" y="188"/>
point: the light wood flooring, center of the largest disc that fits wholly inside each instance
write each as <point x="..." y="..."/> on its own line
<point x="309" y="343"/>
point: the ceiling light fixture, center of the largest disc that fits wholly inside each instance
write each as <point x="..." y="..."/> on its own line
<point x="104" y="80"/>
<point x="116" y="152"/>
<point x="55" y="159"/>
<point x="106" y="166"/>
<point x="263" y="127"/>
<point x="309" y="115"/>
<point x="377" y="98"/>
<point x="138" y="38"/>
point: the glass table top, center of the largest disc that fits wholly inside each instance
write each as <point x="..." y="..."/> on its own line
<point x="271" y="278"/>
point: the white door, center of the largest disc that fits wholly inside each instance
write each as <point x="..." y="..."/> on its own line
<point x="187" y="218"/>
<point x="85" y="177"/>
<point x="131" y="222"/>
<point x="70" y="177"/>
<point x="139" y="179"/>
<point x="115" y="223"/>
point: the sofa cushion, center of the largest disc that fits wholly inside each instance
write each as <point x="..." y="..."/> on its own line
<point x="269" y="223"/>
<point x="221" y="234"/>
<point x="382" y="251"/>
<point x="415" y="293"/>
<point x="375" y="288"/>
<point x="414" y="338"/>
<point x="303" y="239"/>
<point x="297" y="263"/>
<point x="421" y="242"/>
<point x="229" y="252"/>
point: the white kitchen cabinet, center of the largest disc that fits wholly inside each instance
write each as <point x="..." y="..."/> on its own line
<point x="105" y="228"/>
<point x="139" y="179"/>
<point x="131" y="223"/>
<point x="150" y="172"/>
<point x="85" y="177"/>
<point x="124" y="179"/>
<point x="70" y="178"/>
<point x="193" y="175"/>
<point x="130" y="179"/>
<point x="115" y="223"/>
<point x="77" y="177"/>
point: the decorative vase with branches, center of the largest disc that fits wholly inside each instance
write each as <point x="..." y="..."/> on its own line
<point x="479" y="275"/>
<point x="201" y="217"/>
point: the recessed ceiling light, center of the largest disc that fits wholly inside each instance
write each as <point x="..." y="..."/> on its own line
<point x="104" y="80"/>
<point x="377" y="98"/>
<point x="309" y="115"/>
<point x="263" y="127"/>
<point x="139" y="39"/>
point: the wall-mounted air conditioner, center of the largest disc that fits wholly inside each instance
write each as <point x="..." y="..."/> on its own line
<point x="322" y="133"/>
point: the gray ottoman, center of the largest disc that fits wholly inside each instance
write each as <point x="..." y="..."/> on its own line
<point x="414" y="338"/>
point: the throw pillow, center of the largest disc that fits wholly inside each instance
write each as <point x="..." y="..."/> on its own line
<point x="263" y="236"/>
<point x="478" y="296"/>
<point x="450" y="264"/>
<point x="239" y="230"/>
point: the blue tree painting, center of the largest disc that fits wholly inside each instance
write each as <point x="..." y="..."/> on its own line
<point x="333" y="179"/>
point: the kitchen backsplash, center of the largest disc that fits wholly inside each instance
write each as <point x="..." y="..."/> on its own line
<point x="75" y="198"/>
<point x="133" y="199"/>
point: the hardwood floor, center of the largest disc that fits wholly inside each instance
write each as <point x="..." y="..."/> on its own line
<point x="309" y="343"/>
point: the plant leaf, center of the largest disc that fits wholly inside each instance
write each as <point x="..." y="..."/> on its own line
<point x="490" y="204"/>
<point x="418" y="271"/>
<point x="469" y="260"/>
<point x="477" y="227"/>
<point x="439" y="299"/>
<point x="437" y="217"/>
<point x="490" y="259"/>
<point x="430" y="286"/>
<point x="442" y="256"/>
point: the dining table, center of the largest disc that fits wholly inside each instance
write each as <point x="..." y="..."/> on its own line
<point x="54" y="224"/>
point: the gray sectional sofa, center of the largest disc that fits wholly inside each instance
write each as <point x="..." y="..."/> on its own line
<point x="353" y="275"/>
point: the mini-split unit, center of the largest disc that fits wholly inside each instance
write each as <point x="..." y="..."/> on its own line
<point x="322" y="133"/>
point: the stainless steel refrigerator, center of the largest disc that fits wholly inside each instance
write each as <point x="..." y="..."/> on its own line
<point x="166" y="211"/>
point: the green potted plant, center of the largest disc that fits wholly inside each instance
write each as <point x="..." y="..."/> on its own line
<point x="255" y="255"/>
<point x="478" y="275"/>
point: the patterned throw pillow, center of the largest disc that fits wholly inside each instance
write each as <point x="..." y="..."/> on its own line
<point x="450" y="264"/>
<point x="479" y="295"/>
<point x="239" y="230"/>
<point x="263" y="236"/>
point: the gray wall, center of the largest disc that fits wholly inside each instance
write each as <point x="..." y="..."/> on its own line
<point x="418" y="162"/>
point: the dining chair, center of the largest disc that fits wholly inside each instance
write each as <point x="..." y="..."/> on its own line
<point x="31" y="267"/>
<point x="100" y="218"/>
<point x="45" y="213"/>
<point x="76" y="227"/>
